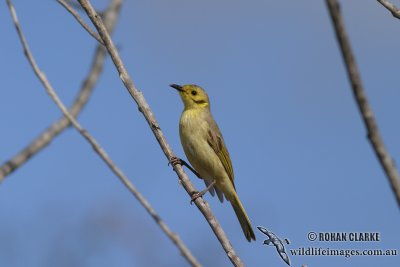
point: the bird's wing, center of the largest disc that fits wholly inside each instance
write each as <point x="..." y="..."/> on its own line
<point x="217" y="143"/>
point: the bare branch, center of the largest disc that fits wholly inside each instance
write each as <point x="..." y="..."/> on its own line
<point x="366" y="111"/>
<point x="391" y="7"/>
<point x="146" y="111"/>
<point x="80" y="20"/>
<point x="44" y="139"/>
<point x="97" y="148"/>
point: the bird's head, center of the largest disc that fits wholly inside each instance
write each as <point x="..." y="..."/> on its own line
<point x="193" y="96"/>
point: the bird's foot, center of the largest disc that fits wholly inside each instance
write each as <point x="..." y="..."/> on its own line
<point x="177" y="161"/>
<point x="196" y="195"/>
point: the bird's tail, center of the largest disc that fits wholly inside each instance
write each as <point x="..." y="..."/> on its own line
<point x="242" y="217"/>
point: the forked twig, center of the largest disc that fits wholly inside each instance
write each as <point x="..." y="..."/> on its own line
<point x="80" y="20"/>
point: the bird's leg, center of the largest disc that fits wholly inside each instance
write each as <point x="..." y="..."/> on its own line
<point x="174" y="161"/>
<point x="201" y="193"/>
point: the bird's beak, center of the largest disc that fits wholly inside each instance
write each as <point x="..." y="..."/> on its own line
<point x="177" y="87"/>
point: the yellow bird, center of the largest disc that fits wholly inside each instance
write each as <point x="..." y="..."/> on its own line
<point x="205" y="149"/>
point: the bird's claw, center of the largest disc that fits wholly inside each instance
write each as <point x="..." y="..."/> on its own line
<point x="195" y="195"/>
<point x="175" y="161"/>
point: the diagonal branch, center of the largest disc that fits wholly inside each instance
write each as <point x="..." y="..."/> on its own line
<point x="97" y="148"/>
<point x="366" y="111"/>
<point x="391" y="7"/>
<point x="44" y="139"/>
<point x="147" y="113"/>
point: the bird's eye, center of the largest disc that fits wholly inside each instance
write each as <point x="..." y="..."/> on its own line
<point x="194" y="92"/>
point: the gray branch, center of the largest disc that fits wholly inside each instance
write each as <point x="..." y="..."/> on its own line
<point x="154" y="126"/>
<point x="96" y="147"/>
<point x="391" y="7"/>
<point x="44" y="139"/>
<point x="367" y="114"/>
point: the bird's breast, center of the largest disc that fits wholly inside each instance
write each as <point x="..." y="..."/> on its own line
<point x="193" y="130"/>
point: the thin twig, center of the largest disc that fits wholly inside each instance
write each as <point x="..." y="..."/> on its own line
<point x="146" y="111"/>
<point x="391" y="7"/>
<point x="366" y="111"/>
<point x="44" y="139"/>
<point x="74" y="4"/>
<point x="97" y="148"/>
<point x="80" y="20"/>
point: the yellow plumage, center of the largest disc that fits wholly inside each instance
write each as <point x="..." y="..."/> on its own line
<point x="205" y="149"/>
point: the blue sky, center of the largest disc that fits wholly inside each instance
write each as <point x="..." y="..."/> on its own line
<point x="279" y="92"/>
